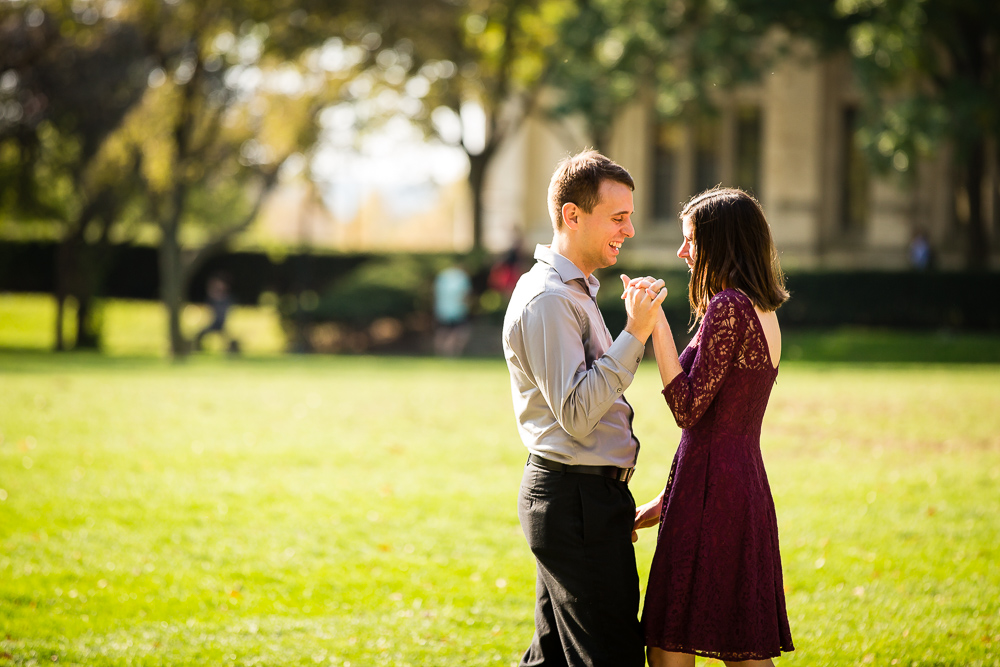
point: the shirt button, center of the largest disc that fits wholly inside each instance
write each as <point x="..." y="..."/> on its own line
<point x="619" y="390"/>
<point x="637" y="360"/>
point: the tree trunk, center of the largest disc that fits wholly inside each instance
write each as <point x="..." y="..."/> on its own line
<point x="88" y="336"/>
<point x="977" y="251"/>
<point x="172" y="291"/>
<point x="66" y="264"/>
<point x="995" y="194"/>
<point x="477" y="177"/>
<point x="60" y="311"/>
<point x="80" y="269"/>
<point x="90" y="265"/>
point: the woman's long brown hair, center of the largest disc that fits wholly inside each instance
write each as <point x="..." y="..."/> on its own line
<point x="733" y="249"/>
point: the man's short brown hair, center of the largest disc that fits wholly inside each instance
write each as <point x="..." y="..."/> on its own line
<point x="578" y="179"/>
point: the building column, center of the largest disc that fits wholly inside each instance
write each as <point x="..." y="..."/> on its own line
<point x="792" y="155"/>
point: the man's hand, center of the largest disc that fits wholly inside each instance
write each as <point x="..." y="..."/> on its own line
<point x="647" y="283"/>
<point x="642" y="304"/>
<point x="643" y="282"/>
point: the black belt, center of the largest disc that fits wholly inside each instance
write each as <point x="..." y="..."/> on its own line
<point x="614" y="472"/>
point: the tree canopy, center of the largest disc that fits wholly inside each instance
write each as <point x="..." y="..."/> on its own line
<point x="928" y="71"/>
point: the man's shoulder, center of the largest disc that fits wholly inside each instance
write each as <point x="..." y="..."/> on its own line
<point x="539" y="291"/>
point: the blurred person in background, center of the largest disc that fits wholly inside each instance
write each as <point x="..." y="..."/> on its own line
<point x="507" y="269"/>
<point x="715" y="584"/>
<point x="921" y="253"/>
<point x="452" y="289"/>
<point x="219" y="303"/>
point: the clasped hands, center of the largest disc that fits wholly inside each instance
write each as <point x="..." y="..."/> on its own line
<point x="643" y="298"/>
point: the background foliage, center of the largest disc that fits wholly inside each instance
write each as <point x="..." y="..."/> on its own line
<point x="171" y="121"/>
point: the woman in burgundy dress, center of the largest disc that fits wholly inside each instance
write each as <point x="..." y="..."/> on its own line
<point x="715" y="586"/>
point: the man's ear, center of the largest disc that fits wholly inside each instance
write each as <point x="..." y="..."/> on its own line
<point x="570" y="215"/>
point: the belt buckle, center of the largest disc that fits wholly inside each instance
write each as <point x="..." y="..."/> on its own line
<point x="626" y="474"/>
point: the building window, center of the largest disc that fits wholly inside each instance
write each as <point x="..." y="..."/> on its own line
<point x="666" y="167"/>
<point x="854" y="178"/>
<point x="748" y="149"/>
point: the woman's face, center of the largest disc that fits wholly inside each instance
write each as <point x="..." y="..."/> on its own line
<point x="687" y="251"/>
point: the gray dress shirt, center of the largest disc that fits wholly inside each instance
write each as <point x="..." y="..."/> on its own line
<point x="567" y="374"/>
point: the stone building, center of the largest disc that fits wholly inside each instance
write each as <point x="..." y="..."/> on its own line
<point x="789" y="140"/>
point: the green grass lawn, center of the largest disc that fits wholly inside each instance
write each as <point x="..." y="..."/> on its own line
<point x="362" y="511"/>
<point x="359" y="511"/>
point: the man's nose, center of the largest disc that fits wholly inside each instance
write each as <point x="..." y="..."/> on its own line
<point x="629" y="229"/>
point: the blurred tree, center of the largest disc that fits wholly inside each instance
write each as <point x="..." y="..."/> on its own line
<point x="678" y="55"/>
<point x="477" y="69"/>
<point x="234" y="97"/>
<point x="66" y="83"/>
<point x="602" y="63"/>
<point x="930" y="70"/>
<point x="188" y="108"/>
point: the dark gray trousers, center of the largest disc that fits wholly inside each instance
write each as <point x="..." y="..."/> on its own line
<point x="579" y="528"/>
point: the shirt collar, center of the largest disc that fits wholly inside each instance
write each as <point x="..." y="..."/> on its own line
<point x="567" y="270"/>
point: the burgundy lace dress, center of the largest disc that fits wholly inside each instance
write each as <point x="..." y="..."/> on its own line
<point x="715" y="585"/>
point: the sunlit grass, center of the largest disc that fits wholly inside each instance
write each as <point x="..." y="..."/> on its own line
<point x="139" y="328"/>
<point x="301" y="511"/>
<point x="131" y="328"/>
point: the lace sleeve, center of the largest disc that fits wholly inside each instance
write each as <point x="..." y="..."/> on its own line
<point x="689" y="394"/>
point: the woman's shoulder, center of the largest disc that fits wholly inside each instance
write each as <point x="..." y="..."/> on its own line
<point x="729" y="299"/>
<point x="729" y="309"/>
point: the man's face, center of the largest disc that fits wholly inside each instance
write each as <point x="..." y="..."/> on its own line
<point x="601" y="232"/>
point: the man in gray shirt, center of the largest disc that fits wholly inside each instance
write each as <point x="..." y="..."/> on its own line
<point x="567" y="380"/>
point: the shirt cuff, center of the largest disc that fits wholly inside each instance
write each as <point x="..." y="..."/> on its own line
<point x="627" y="350"/>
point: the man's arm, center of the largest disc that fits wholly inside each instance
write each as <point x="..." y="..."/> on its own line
<point x="556" y="360"/>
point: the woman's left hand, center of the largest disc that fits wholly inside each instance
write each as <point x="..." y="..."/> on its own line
<point x="647" y="516"/>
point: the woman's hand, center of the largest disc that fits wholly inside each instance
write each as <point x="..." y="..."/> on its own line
<point x="642" y="306"/>
<point x="646" y="516"/>
<point x="648" y="283"/>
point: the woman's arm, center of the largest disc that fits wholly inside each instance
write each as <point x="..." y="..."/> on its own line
<point x="723" y="327"/>
<point x="665" y="350"/>
<point x="663" y="338"/>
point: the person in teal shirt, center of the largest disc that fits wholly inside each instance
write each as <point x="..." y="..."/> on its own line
<point x="451" y="311"/>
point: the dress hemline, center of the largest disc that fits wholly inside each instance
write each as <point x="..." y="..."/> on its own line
<point x="722" y="655"/>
